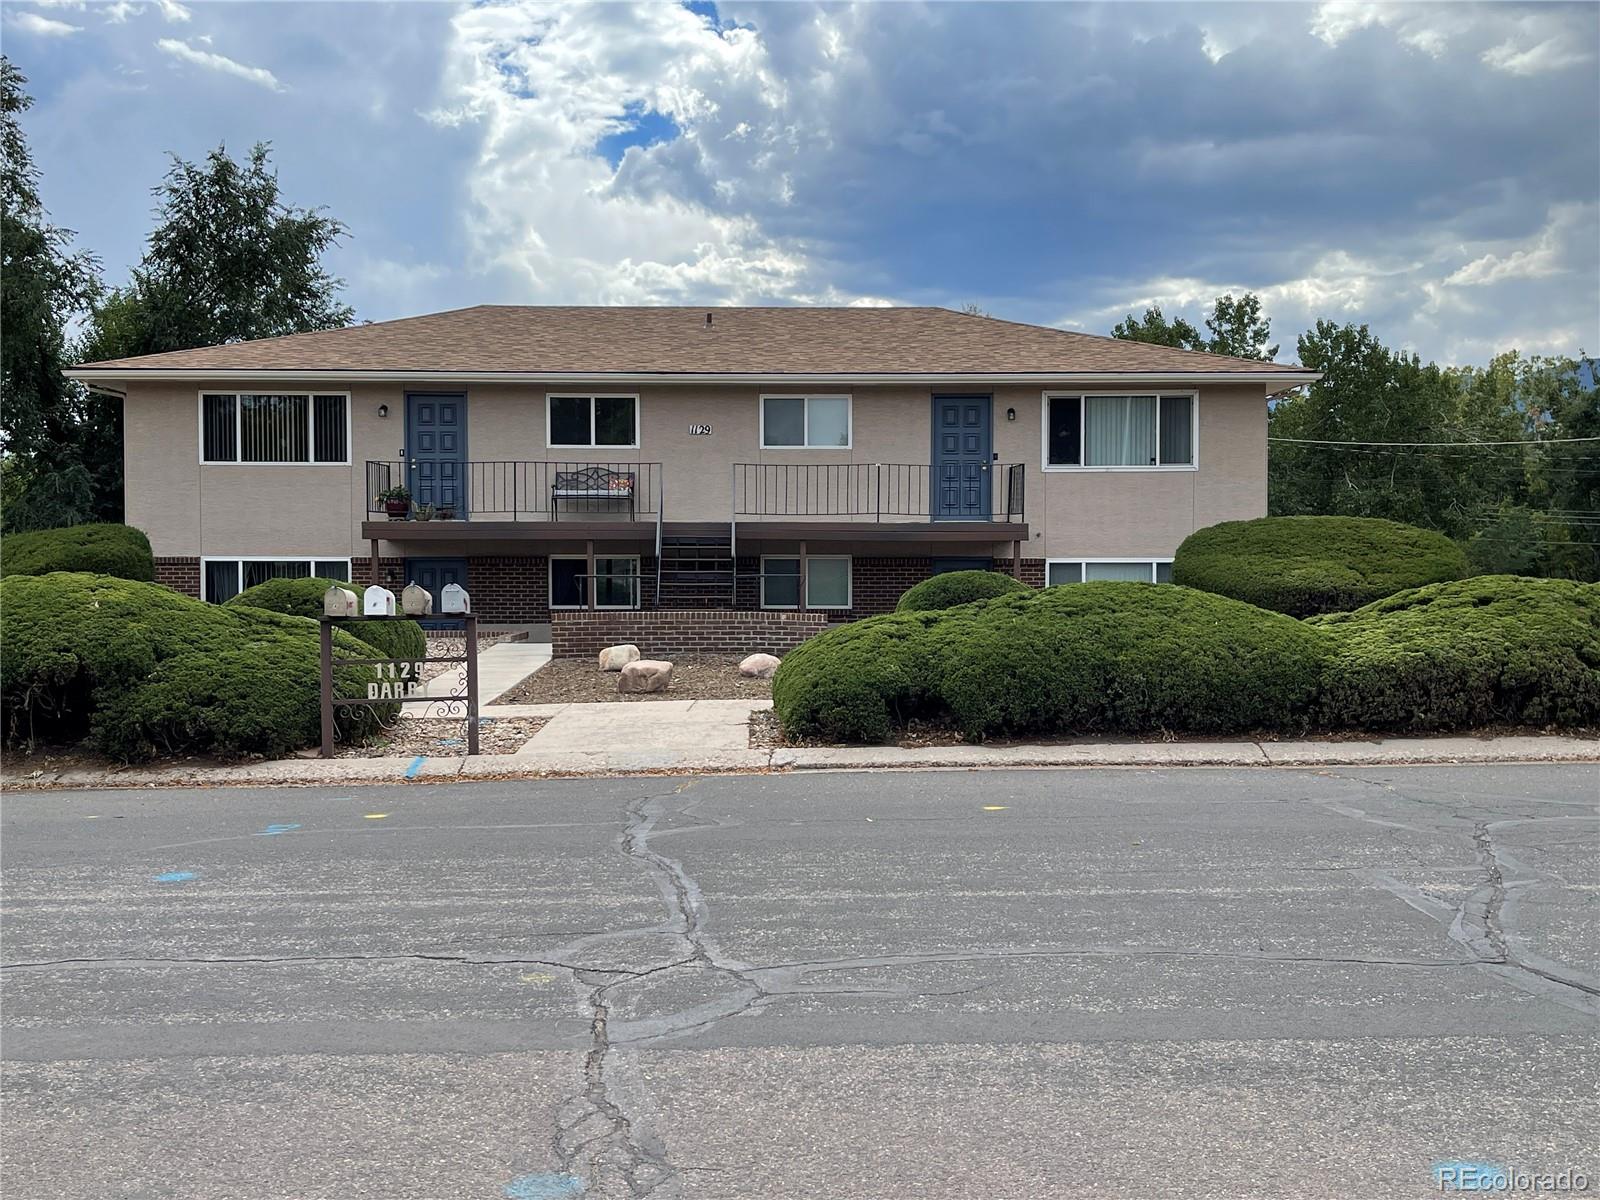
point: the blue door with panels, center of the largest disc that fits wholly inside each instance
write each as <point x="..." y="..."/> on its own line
<point x="434" y="574"/>
<point x="962" y="453"/>
<point x="436" y="450"/>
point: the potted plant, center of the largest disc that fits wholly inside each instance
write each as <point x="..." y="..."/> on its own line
<point x="396" y="502"/>
<point x="424" y="512"/>
<point x="447" y="512"/>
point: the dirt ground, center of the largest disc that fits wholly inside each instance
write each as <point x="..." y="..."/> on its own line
<point x="445" y="736"/>
<point x="694" y="677"/>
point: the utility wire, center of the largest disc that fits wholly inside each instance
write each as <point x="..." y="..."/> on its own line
<point x="1516" y="442"/>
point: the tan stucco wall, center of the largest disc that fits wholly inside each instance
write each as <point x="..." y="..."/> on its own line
<point x="190" y="509"/>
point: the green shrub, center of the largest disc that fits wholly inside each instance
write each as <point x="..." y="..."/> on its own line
<point x="1308" y="565"/>
<point x="90" y="655"/>
<point x="1093" y="657"/>
<point x="402" y="640"/>
<point x="119" y="550"/>
<point x="1481" y="651"/>
<point x="957" y="587"/>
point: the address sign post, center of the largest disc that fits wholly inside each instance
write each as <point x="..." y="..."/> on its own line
<point x="399" y="680"/>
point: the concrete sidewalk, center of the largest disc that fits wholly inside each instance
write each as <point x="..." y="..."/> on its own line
<point x="500" y="667"/>
<point x="710" y="736"/>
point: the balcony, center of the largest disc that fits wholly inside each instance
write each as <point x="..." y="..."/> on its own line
<point x="520" y="491"/>
<point x="987" y="493"/>
<point x="616" y="502"/>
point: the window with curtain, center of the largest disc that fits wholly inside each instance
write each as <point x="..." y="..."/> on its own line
<point x="1119" y="431"/>
<point x="1060" y="570"/>
<point x="825" y="578"/>
<point x="805" y="422"/>
<point x="224" y="578"/>
<point x="253" y="427"/>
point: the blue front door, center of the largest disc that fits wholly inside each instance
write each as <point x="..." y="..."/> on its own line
<point x="962" y="470"/>
<point x="434" y="574"/>
<point x="436" y="450"/>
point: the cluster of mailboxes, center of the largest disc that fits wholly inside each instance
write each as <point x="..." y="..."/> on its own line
<point x="415" y="601"/>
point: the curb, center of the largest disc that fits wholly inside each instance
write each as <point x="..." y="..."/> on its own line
<point x="574" y="764"/>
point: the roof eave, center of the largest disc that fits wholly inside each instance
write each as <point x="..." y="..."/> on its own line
<point x="1280" y="377"/>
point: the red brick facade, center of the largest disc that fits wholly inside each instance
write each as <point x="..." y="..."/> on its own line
<point x="509" y="590"/>
<point x="179" y="574"/>
<point x="392" y="569"/>
<point x="664" y="633"/>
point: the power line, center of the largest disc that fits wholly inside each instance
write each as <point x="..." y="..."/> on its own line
<point x="1516" y="442"/>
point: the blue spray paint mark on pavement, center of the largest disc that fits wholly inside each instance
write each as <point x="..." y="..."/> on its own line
<point x="274" y="830"/>
<point x="416" y="765"/>
<point x="176" y="876"/>
<point x="550" y="1186"/>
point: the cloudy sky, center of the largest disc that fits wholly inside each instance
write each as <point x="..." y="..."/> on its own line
<point x="1433" y="170"/>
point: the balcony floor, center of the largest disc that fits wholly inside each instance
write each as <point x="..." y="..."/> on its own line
<point x="748" y="531"/>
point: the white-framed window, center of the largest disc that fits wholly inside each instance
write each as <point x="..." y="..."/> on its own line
<point x="805" y="422"/>
<point x="825" y="577"/>
<point x="616" y="581"/>
<point x="591" y="422"/>
<point x="224" y="578"/>
<point x="277" y="428"/>
<point x="1092" y="570"/>
<point x="1151" y="431"/>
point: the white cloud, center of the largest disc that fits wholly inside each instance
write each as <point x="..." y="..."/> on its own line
<point x="543" y="84"/>
<point x="1549" y="253"/>
<point x="172" y="10"/>
<point x="119" y="11"/>
<point x="1552" y="54"/>
<point x="1516" y="40"/>
<point x="219" y="62"/>
<point x="43" y="26"/>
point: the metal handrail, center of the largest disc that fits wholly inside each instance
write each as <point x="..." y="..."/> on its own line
<point x="527" y="488"/>
<point x="876" y="490"/>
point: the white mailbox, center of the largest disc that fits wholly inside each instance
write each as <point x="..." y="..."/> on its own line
<point x="339" y="602"/>
<point x="416" y="601"/>
<point x="453" y="598"/>
<point x="378" y="602"/>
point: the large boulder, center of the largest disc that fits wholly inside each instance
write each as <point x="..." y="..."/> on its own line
<point x="759" y="666"/>
<point x="614" y="658"/>
<point x="645" y="675"/>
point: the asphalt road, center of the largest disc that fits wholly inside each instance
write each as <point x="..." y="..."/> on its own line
<point x="1228" y="983"/>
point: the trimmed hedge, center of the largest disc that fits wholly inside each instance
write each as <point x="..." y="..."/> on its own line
<point x="1308" y="565"/>
<point x="1493" y="649"/>
<point x="1092" y="657"/>
<point x="139" y="670"/>
<point x="119" y="550"/>
<point x="403" y="640"/>
<point x="957" y="587"/>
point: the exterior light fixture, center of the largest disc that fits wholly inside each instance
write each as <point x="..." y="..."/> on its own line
<point x="383" y="410"/>
<point x="1011" y="414"/>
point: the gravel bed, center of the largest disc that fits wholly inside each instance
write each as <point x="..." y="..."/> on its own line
<point x="445" y="737"/>
<point x="694" y="677"/>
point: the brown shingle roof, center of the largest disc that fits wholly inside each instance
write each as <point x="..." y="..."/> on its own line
<point x="589" y="341"/>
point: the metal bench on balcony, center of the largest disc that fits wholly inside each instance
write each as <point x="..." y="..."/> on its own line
<point x="592" y="483"/>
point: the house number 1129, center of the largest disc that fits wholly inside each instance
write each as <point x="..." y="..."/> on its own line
<point x="700" y="430"/>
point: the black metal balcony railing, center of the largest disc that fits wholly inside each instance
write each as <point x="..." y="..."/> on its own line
<point x="516" y="490"/>
<point x="880" y="491"/>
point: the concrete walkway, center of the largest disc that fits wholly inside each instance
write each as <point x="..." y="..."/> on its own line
<point x="711" y="736"/>
<point x="500" y="668"/>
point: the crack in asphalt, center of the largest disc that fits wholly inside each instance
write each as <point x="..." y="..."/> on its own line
<point x="1482" y="922"/>
<point x="293" y="959"/>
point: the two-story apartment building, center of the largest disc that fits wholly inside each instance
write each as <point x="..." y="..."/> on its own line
<point x="791" y="459"/>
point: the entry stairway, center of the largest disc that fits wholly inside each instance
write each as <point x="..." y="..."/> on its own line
<point x="696" y="568"/>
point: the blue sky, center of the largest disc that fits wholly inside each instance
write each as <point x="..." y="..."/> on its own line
<point x="1431" y="169"/>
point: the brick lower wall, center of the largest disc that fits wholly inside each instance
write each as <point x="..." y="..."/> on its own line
<point x="179" y="574"/>
<point x="1032" y="572"/>
<point x="663" y="633"/>
<point x="509" y="589"/>
<point x="391" y="570"/>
